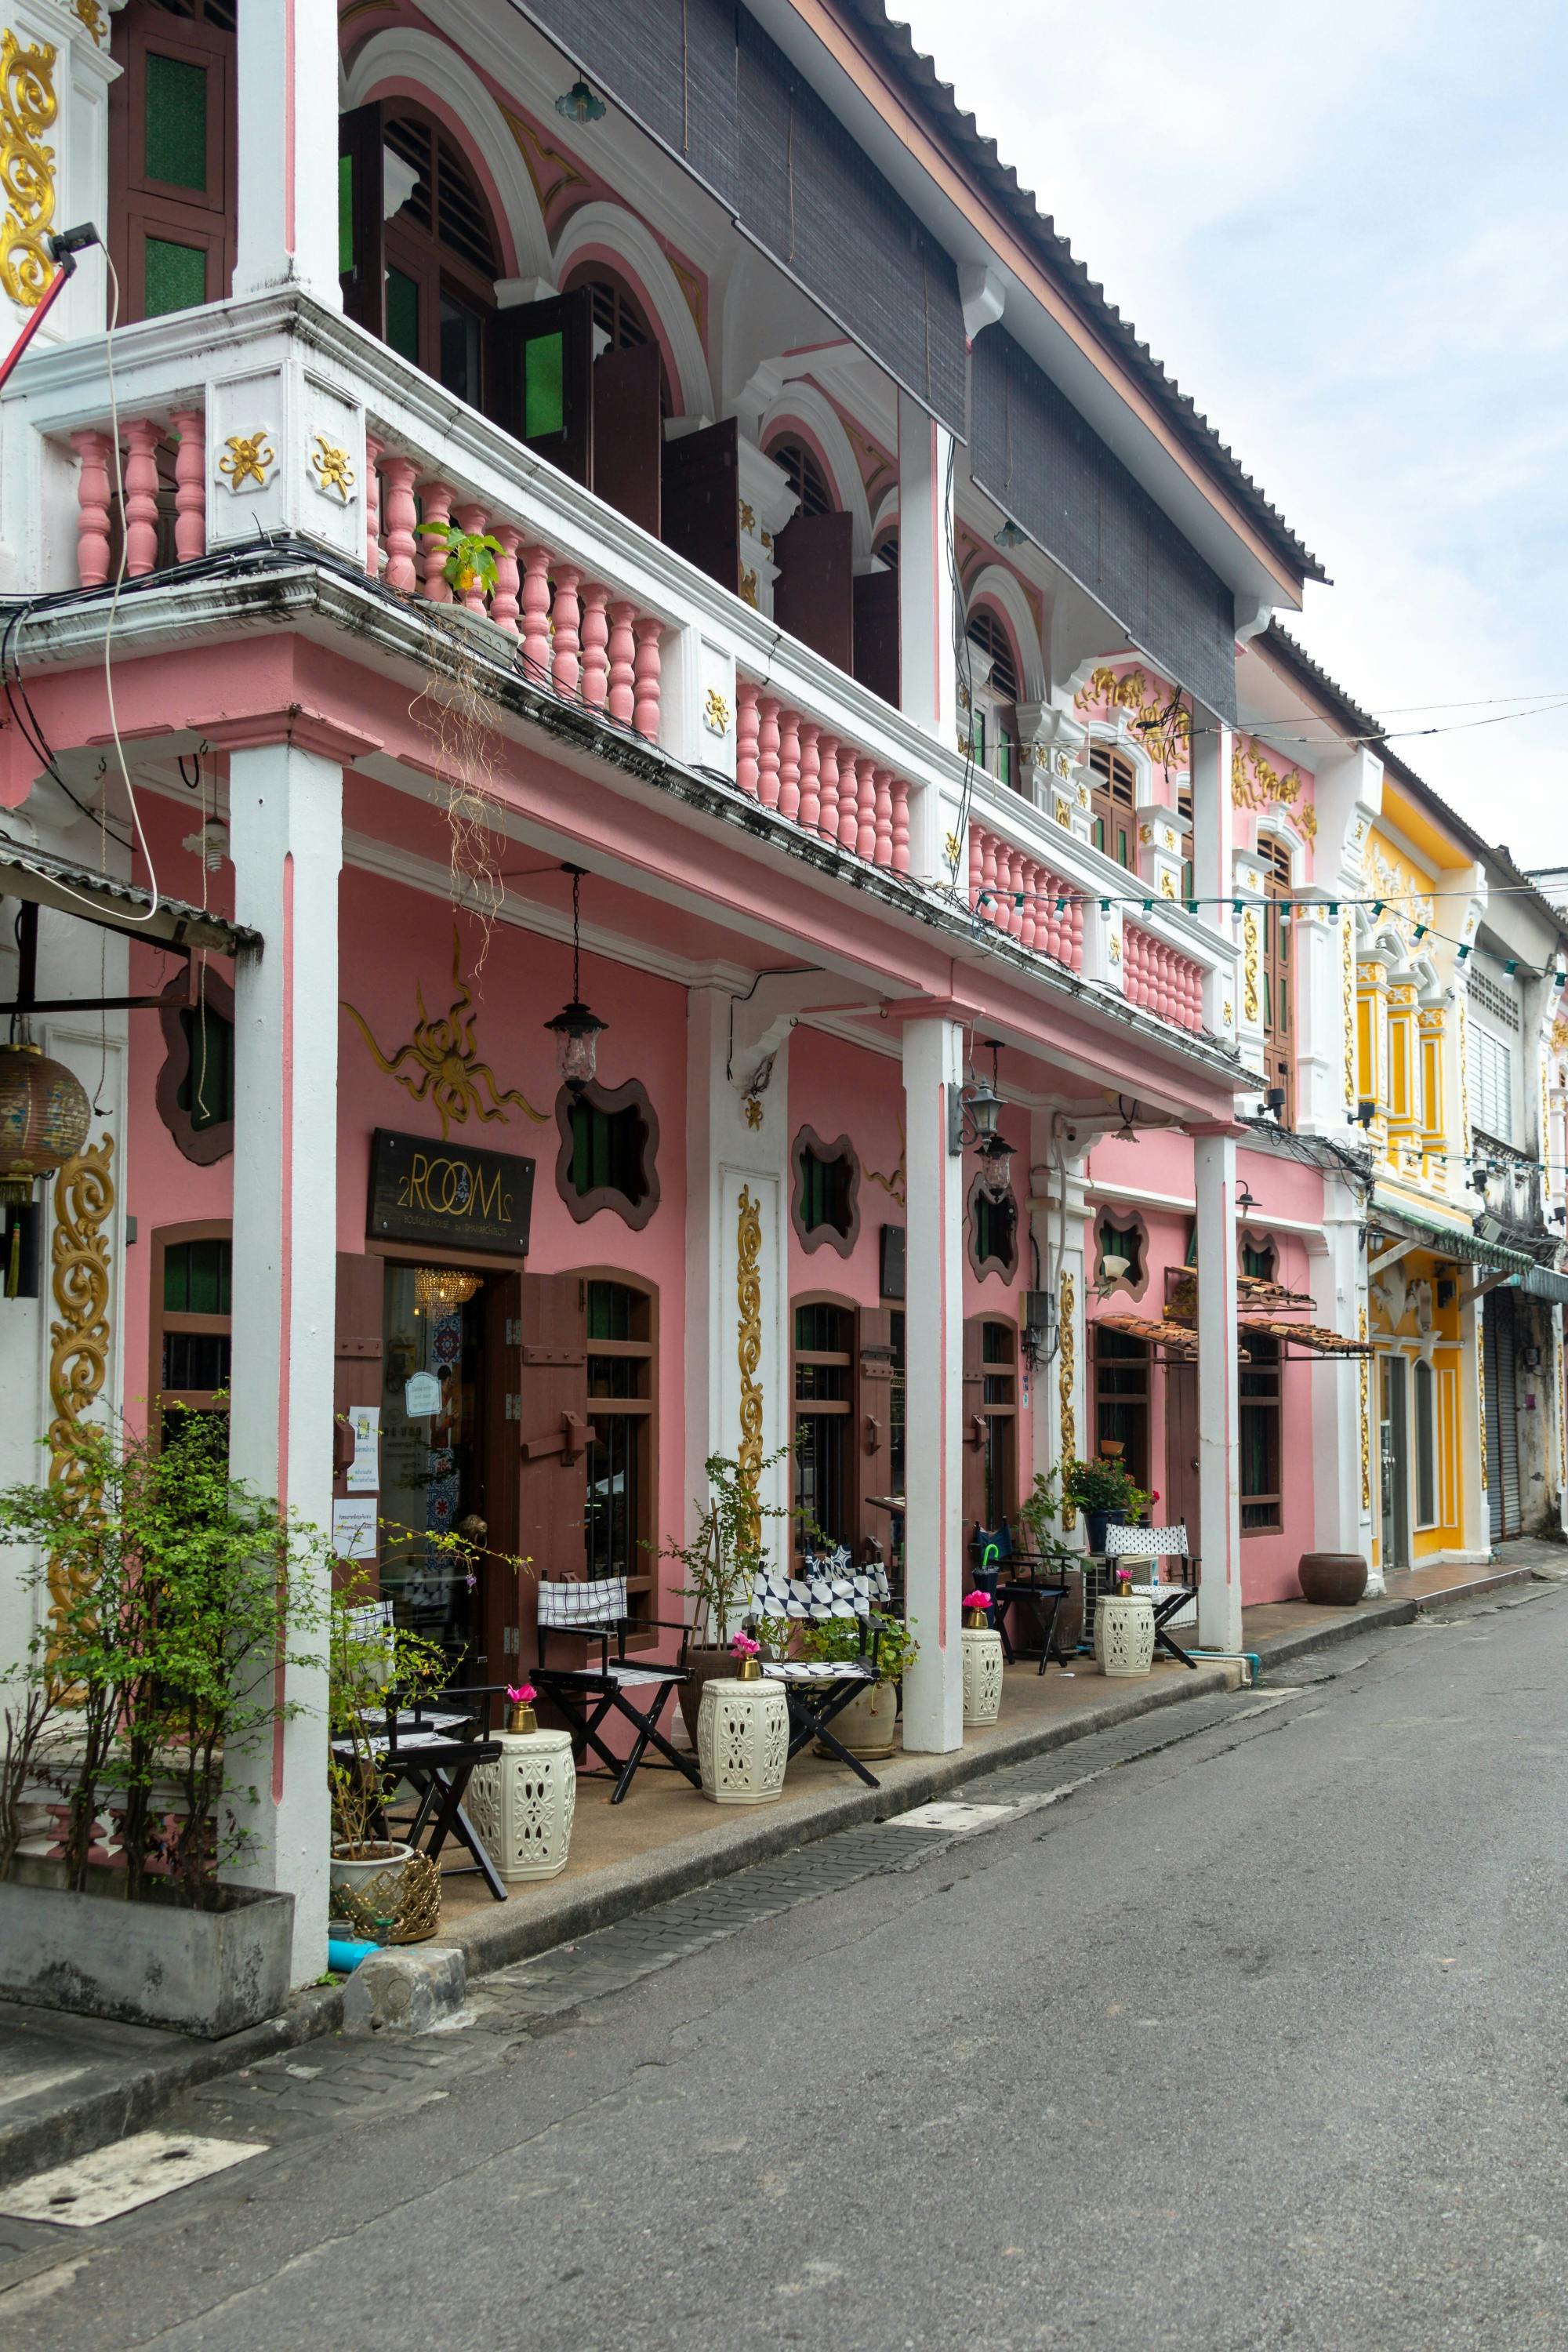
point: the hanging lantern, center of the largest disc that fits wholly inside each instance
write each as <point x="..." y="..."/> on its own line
<point x="996" y="1167"/>
<point x="576" y="1029"/>
<point x="437" y="1288"/>
<point x="579" y="104"/>
<point x="43" y="1116"/>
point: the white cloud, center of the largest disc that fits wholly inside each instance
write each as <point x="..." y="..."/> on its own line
<point x="1341" y="229"/>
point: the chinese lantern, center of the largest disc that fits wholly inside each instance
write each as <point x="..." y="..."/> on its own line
<point x="43" y="1116"/>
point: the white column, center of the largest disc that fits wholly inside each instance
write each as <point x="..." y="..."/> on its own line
<point x="1342" y="1431"/>
<point x="929" y="674"/>
<point x="287" y="205"/>
<point x="1219" y="1511"/>
<point x="286" y="835"/>
<point x="933" y="1388"/>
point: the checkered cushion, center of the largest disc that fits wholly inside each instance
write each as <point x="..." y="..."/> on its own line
<point x="1146" y="1543"/>
<point x="816" y="1595"/>
<point x="565" y="1607"/>
<point x="801" y="1671"/>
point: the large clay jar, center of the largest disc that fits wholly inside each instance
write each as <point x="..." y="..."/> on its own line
<point x="1334" y="1579"/>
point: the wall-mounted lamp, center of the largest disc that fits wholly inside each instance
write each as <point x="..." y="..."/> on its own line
<point x="1010" y="535"/>
<point x="1245" y="1203"/>
<point x="971" y="1122"/>
<point x="1363" y="1114"/>
<point x="579" y="104"/>
<point x="576" y="1029"/>
<point x="1274" y="1100"/>
<point x="1112" y="1267"/>
<point x="1040" y="1311"/>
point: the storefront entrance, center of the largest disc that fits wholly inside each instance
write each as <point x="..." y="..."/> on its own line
<point x="1500" y="1362"/>
<point x="1393" y="1455"/>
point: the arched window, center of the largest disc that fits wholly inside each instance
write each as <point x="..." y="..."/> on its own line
<point x="1122" y="1398"/>
<point x="619" y="1520"/>
<point x="442" y="259"/>
<point x="994" y="714"/>
<point x="1114" y="798"/>
<point x="804" y="473"/>
<point x="824" y="1381"/>
<point x="189" y="1322"/>
<point x="619" y="318"/>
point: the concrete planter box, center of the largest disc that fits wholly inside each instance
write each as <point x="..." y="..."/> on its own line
<point x="207" y="1971"/>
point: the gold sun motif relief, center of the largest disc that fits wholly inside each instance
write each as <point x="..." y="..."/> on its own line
<point x="716" y="713"/>
<point x="331" y="467"/>
<point x="1160" y="719"/>
<point x="447" y="1070"/>
<point x="250" y="455"/>
<point x="27" y="108"/>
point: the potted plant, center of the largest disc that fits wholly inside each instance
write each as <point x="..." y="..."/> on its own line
<point x="1106" y="1495"/>
<point x="721" y="1561"/>
<point x="169" y="1594"/>
<point x="869" y="1725"/>
<point x="370" y="1663"/>
<point x="1053" y="1560"/>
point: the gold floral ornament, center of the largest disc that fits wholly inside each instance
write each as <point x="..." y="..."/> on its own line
<point x="716" y="713"/>
<point x="751" y="1111"/>
<point x="250" y="456"/>
<point x="749" y="1342"/>
<point x="79" y="1342"/>
<point x="91" y="16"/>
<point x="447" y="1070"/>
<point x="332" y="468"/>
<point x="27" y="108"/>
<point x="1065" y="1369"/>
<point x="955" y="849"/>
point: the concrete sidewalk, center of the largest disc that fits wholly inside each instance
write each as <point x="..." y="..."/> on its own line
<point x="69" y="2085"/>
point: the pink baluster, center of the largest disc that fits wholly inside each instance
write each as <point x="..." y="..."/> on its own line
<point x="810" y="773"/>
<point x="768" y="752"/>
<point x="900" y="824"/>
<point x="190" y="484"/>
<point x="565" y="619"/>
<point x="646" y="668"/>
<point x="882" y="812"/>
<point x="789" y="764"/>
<point x="1001" y="905"/>
<point x="827" y="771"/>
<point x="850" y="770"/>
<point x="141" y="497"/>
<point x="1013" y="890"/>
<point x="595" y="646"/>
<point x="504" y="603"/>
<point x="990" y="846"/>
<point x="976" y="866"/>
<point x="94" y="451"/>
<point x="474" y="520"/>
<point x="865" y="837"/>
<point x="1048" y="922"/>
<point x="1075" y="912"/>
<point x="373" y="449"/>
<point x="747" y="723"/>
<point x="402" y="514"/>
<point x="534" y="607"/>
<point x="1028" y="917"/>
<point x="435" y="505"/>
<point x="623" y="663"/>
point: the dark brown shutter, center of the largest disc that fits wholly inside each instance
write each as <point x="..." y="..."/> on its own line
<point x="551" y="1436"/>
<point x="196" y="221"/>
<point x="701" y="502"/>
<point x="543" y="377"/>
<point x="365" y="282"/>
<point x="872" y="1467"/>
<point x="510" y="1610"/>
<point x="973" y="1426"/>
<point x="1180" y="1481"/>
<point x="813" y="595"/>
<point x="628" y="434"/>
<point x="877" y="634"/>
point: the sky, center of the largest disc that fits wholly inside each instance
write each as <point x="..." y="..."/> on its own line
<point x="1340" y="228"/>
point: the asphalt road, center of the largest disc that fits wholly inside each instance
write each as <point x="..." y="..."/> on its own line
<point x="1255" y="2042"/>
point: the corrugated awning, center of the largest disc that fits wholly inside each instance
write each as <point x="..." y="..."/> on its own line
<point x="1456" y="1242"/>
<point x="1544" y="1282"/>
<point x="42" y="879"/>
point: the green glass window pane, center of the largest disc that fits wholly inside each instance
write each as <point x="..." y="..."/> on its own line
<point x="345" y="214"/>
<point x="543" y="386"/>
<point x="402" y="314"/>
<point x="206" y="1090"/>
<point x="174" y="277"/>
<point x="176" y="126"/>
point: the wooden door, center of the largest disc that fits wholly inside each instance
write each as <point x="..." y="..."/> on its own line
<point x="357" y="1355"/>
<point x="551" y="1436"/>
<point x="1181" y="1489"/>
<point x="543" y="374"/>
<point x="871" y="1465"/>
<point x="876" y="662"/>
<point x="507" y="1592"/>
<point x="973" y="1424"/>
<point x="628" y="434"/>
<point x="701" y="501"/>
<point x="813" y="595"/>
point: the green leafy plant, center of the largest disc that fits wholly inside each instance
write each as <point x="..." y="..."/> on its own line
<point x="1041" y="1512"/>
<point x="470" y="557"/>
<point x="368" y="1664"/>
<point x="835" y="1641"/>
<point x="727" y="1553"/>
<point x="1103" y="1486"/>
<point x="170" y="1594"/>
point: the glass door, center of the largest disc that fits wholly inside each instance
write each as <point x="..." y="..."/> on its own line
<point x="1394" y="1450"/>
<point x="432" y="1452"/>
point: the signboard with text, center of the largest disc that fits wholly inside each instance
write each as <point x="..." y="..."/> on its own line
<point x="448" y="1196"/>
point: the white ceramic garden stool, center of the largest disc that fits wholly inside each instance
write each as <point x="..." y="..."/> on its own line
<point x="742" y="1740"/>
<point x="982" y="1673"/>
<point x="521" y="1805"/>
<point x="1124" y="1634"/>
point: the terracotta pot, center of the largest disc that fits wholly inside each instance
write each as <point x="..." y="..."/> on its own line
<point x="1334" y="1579"/>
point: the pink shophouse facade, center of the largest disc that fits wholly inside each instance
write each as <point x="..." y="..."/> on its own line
<point x="877" y="779"/>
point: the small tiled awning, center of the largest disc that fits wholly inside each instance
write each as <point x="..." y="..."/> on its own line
<point x="1312" y="1339"/>
<point x="1179" y="1341"/>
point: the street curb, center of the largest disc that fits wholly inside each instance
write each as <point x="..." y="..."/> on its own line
<point x="1372" y="1616"/>
<point x="35" y="2143"/>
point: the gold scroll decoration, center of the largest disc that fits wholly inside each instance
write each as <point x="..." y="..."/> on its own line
<point x="79" y="1342"/>
<point x="1365" y="1417"/>
<point x="1348" y="937"/>
<point x="27" y="108"/>
<point x="1251" y="1000"/>
<point x="1067" y="1355"/>
<point x="749" y="1342"/>
<point x="445" y="1055"/>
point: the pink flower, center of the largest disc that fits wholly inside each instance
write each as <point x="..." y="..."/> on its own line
<point x="977" y="1600"/>
<point x="744" y="1647"/>
<point x="522" y="1695"/>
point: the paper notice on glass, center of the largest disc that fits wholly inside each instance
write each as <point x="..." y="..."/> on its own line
<point x="421" y="1394"/>
<point x="364" y="1470"/>
<point x="353" y="1527"/>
